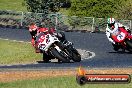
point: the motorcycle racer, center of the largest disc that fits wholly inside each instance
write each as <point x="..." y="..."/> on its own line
<point x="36" y="30"/>
<point x="59" y="35"/>
<point x="113" y="29"/>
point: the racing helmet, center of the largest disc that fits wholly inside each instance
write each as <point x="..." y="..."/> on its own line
<point x="110" y="22"/>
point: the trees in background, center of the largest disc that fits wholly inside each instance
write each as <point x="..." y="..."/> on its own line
<point x="95" y="8"/>
<point x="46" y="6"/>
<point x="42" y="6"/>
<point x="90" y="8"/>
<point x="102" y="8"/>
<point x="125" y="9"/>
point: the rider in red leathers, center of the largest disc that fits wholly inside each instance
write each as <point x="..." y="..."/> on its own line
<point x="33" y="31"/>
<point x="112" y="29"/>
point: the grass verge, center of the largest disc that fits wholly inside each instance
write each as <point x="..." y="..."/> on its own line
<point x="56" y="78"/>
<point x="17" y="52"/>
<point x="58" y="82"/>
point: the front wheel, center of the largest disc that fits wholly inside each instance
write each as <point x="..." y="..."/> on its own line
<point x="115" y="47"/>
<point x="129" y="45"/>
<point x="75" y="56"/>
<point x="60" y="55"/>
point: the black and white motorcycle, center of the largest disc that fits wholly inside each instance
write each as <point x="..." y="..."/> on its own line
<point x="51" y="45"/>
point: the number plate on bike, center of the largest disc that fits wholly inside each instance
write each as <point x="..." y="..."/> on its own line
<point x="121" y="36"/>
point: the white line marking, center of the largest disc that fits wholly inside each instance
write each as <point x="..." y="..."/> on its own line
<point x="86" y="54"/>
<point x="15" y="40"/>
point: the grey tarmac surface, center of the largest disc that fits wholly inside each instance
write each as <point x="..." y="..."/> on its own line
<point x="105" y="57"/>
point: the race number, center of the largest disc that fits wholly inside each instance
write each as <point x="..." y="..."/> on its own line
<point x="41" y="39"/>
<point x="121" y="36"/>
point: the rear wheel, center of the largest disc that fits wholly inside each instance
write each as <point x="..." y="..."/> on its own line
<point x="46" y="58"/>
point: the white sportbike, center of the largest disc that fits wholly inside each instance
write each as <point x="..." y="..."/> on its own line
<point x="50" y="44"/>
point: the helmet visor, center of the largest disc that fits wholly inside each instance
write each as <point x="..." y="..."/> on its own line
<point x="110" y="25"/>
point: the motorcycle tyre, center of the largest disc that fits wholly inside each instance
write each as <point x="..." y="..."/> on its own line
<point x="46" y="58"/>
<point x="59" y="56"/>
<point x="76" y="57"/>
<point x="129" y="45"/>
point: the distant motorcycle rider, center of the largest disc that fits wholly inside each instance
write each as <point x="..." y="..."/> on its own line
<point x="113" y="29"/>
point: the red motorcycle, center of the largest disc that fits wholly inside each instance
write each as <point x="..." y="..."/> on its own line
<point x="123" y="40"/>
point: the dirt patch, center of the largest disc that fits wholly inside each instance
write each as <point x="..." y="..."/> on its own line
<point x="8" y="76"/>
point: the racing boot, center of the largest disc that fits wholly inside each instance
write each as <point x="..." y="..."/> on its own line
<point x="37" y="50"/>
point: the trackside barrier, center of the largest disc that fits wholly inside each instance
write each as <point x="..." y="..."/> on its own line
<point x="19" y="19"/>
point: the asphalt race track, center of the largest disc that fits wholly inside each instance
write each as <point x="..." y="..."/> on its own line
<point x="105" y="57"/>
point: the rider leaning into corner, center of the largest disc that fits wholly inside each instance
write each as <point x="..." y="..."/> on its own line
<point x="113" y="28"/>
<point x="36" y="30"/>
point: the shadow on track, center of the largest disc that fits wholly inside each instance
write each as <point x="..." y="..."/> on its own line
<point x="54" y="62"/>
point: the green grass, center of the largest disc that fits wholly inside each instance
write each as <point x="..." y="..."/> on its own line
<point x="15" y="5"/>
<point x="58" y="82"/>
<point x="16" y="52"/>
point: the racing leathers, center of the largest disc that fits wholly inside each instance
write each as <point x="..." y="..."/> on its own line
<point x="114" y="30"/>
<point x="33" y="31"/>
